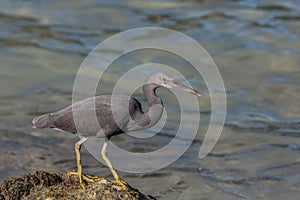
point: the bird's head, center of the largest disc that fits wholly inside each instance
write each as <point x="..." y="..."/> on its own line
<point x="163" y="80"/>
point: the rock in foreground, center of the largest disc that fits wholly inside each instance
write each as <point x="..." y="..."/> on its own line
<point x="53" y="185"/>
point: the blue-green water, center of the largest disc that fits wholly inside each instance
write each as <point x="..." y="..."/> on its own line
<point x="255" y="45"/>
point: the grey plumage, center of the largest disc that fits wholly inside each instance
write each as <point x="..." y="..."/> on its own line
<point x="115" y="114"/>
<point x="85" y="110"/>
<point x="108" y="115"/>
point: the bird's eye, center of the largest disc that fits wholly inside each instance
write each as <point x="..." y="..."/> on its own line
<point x="163" y="78"/>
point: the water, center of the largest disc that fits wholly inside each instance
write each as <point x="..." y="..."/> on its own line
<point x="255" y="45"/>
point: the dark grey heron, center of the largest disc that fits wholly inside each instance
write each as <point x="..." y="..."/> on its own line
<point x="109" y="115"/>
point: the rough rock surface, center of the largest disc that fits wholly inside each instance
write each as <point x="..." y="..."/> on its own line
<point x="53" y="185"/>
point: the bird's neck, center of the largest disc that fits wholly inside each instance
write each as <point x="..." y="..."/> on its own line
<point x="154" y="102"/>
<point x="150" y="95"/>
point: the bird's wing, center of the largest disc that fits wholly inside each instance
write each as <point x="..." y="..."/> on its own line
<point x="94" y="116"/>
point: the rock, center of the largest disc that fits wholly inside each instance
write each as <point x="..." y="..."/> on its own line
<point x="53" y="185"/>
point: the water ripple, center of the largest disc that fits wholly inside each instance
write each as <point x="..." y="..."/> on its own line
<point x="253" y="118"/>
<point x="213" y="176"/>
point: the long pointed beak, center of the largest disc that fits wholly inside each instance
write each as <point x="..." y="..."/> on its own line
<point x="177" y="85"/>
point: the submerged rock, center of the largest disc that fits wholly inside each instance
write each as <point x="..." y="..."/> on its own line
<point x="53" y="185"/>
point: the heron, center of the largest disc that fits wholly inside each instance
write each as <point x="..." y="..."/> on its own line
<point x="109" y="115"/>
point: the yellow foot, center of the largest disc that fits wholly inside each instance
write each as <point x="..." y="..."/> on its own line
<point x="85" y="177"/>
<point x="91" y="178"/>
<point x="124" y="185"/>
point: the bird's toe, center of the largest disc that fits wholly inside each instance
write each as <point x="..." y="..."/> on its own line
<point x="123" y="184"/>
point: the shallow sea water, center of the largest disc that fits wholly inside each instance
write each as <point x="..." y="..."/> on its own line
<point x="255" y="45"/>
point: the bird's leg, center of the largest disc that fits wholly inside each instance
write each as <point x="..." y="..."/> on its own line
<point x="79" y="166"/>
<point x="109" y="165"/>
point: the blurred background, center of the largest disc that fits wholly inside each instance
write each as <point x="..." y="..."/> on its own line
<point x="255" y="44"/>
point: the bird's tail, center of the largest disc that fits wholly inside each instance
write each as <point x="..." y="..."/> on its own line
<point x="42" y="121"/>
